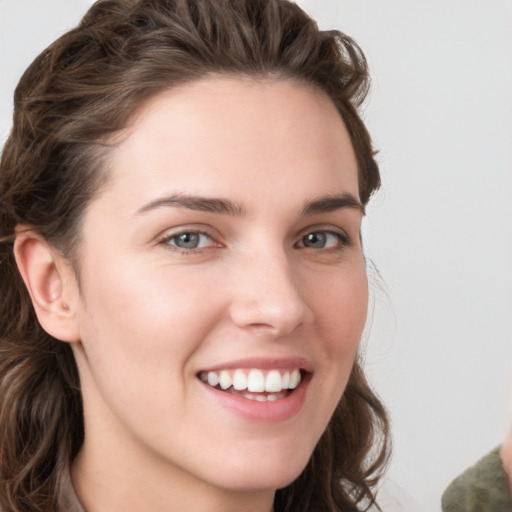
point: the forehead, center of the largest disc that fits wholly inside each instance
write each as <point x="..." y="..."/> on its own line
<point x="218" y="130"/>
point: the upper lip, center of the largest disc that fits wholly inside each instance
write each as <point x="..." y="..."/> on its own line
<point x="263" y="363"/>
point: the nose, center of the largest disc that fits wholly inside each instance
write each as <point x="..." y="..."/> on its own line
<point x="267" y="296"/>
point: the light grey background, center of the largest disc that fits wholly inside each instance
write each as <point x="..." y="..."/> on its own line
<point x="440" y="232"/>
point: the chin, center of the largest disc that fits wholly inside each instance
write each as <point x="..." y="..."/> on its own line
<point x="261" y="483"/>
<point x="263" y="477"/>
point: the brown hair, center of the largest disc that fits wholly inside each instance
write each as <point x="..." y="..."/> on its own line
<point x="79" y="92"/>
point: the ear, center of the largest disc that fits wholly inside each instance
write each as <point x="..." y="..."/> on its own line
<point x="51" y="284"/>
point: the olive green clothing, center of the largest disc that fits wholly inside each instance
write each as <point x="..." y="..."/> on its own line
<point x="481" y="488"/>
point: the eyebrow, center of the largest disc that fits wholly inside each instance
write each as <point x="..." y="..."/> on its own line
<point x="331" y="203"/>
<point x="227" y="207"/>
<point x="200" y="203"/>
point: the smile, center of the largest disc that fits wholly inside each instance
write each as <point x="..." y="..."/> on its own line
<point x="254" y="384"/>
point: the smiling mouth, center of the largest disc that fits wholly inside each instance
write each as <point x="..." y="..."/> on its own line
<point x="254" y="384"/>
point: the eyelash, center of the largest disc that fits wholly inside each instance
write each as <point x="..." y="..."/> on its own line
<point x="343" y="241"/>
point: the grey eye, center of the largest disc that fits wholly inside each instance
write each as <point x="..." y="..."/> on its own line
<point x="317" y="240"/>
<point x="323" y="240"/>
<point x="187" y="240"/>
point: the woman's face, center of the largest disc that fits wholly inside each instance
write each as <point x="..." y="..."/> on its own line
<point x="223" y="251"/>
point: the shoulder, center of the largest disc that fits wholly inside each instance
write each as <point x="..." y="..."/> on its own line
<point x="481" y="488"/>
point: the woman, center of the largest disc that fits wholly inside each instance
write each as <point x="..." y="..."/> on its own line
<point x="183" y="281"/>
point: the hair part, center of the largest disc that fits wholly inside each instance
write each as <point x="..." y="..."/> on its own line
<point x="69" y="104"/>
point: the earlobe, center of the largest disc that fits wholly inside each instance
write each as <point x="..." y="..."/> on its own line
<point x="50" y="283"/>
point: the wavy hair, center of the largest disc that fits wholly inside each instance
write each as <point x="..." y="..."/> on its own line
<point x="72" y="99"/>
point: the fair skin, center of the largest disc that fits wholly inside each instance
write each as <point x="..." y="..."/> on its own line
<point x="225" y="240"/>
<point x="506" y="457"/>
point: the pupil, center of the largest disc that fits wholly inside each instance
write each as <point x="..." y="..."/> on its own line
<point x="187" y="240"/>
<point x="316" y="240"/>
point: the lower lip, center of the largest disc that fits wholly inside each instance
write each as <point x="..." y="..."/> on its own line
<point x="267" y="412"/>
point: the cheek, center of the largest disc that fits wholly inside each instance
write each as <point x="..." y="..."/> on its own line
<point x="140" y="335"/>
<point x="135" y="296"/>
<point x="341" y="310"/>
<point x="134" y="320"/>
<point x="341" y="307"/>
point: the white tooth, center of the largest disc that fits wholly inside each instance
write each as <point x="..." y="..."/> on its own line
<point x="286" y="380"/>
<point x="213" y="378"/>
<point x="294" y="379"/>
<point x="261" y="398"/>
<point x="272" y="398"/>
<point x="225" y="380"/>
<point x="273" y="382"/>
<point x="203" y="377"/>
<point x="256" y="381"/>
<point x="239" y="380"/>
